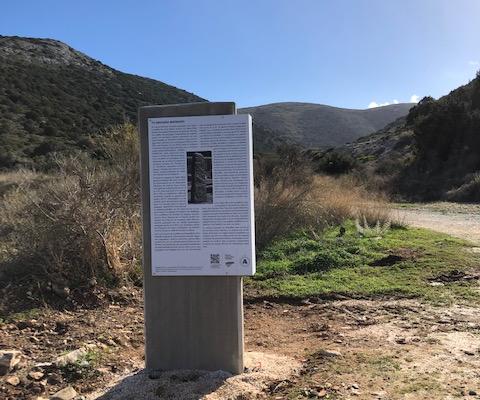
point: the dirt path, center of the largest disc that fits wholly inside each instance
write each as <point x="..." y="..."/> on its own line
<point x="462" y="221"/>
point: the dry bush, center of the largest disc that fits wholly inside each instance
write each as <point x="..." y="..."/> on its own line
<point x="347" y="197"/>
<point x="10" y="180"/>
<point x="281" y="189"/>
<point x="82" y="225"/>
<point x="289" y="196"/>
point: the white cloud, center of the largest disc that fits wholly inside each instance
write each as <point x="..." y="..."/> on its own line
<point x="414" y="98"/>
<point x="474" y="63"/>
<point x="374" y="104"/>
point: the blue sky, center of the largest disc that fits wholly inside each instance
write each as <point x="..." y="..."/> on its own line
<point x="346" y="53"/>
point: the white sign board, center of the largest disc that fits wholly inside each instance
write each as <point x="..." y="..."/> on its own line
<point x="201" y="195"/>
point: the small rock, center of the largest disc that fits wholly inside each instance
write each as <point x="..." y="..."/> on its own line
<point x="24" y="325"/>
<point x="61" y="327"/>
<point x="43" y="365"/>
<point x="61" y="291"/>
<point x="68" y="393"/>
<point x="267" y="304"/>
<point x="54" y="379"/>
<point x="355" y="386"/>
<point x="330" y="353"/>
<point x="401" y="340"/>
<point x="121" y="341"/>
<point x="472" y="393"/>
<point x="8" y="360"/>
<point x="36" y="387"/>
<point x="13" y="380"/>
<point x="36" y="375"/>
<point x="434" y="284"/>
<point x="469" y="352"/>
<point x="70" y="358"/>
<point x="103" y="370"/>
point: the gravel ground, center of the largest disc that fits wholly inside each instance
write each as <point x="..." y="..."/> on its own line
<point x="462" y="221"/>
<point x="262" y="370"/>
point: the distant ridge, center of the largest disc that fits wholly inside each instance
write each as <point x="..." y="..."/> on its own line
<point x="53" y="98"/>
<point x="317" y="125"/>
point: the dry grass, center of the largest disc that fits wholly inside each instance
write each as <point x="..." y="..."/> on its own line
<point x="81" y="225"/>
<point x="288" y="197"/>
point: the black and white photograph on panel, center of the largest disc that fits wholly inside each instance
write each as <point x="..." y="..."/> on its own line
<point x="199" y="177"/>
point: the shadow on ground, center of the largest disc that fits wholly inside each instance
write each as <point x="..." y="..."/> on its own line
<point x="261" y="369"/>
<point x="174" y="385"/>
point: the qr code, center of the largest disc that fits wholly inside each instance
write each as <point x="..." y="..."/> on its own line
<point x="214" y="258"/>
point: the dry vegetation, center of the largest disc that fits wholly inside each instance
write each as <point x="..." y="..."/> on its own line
<point x="68" y="233"/>
<point x="289" y="196"/>
<point x="75" y="229"/>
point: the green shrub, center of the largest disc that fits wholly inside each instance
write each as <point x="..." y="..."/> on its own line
<point x="334" y="162"/>
<point x="468" y="192"/>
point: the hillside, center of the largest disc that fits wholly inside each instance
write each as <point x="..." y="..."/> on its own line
<point x="317" y="125"/>
<point x="432" y="153"/>
<point x="388" y="149"/>
<point x="53" y="97"/>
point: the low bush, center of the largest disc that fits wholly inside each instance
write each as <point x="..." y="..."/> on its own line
<point x="81" y="225"/>
<point x="334" y="162"/>
<point x="289" y="196"/>
<point x="468" y="192"/>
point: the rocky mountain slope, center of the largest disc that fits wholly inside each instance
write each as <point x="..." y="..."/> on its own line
<point x="393" y="142"/>
<point x="317" y="125"/>
<point x="432" y="153"/>
<point x="52" y="97"/>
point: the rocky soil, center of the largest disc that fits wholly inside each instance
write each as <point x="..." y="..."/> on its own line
<point x="342" y="349"/>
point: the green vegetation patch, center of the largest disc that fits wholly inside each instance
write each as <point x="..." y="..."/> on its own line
<point x="84" y="368"/>
<point x="404" y="262"/>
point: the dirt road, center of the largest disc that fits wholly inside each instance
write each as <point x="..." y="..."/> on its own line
<point x="458" y="220"/>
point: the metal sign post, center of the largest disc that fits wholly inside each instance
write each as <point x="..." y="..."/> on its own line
<point x="194" y="251"/>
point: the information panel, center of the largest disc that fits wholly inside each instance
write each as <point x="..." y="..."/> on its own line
<point x="201" y="195"/>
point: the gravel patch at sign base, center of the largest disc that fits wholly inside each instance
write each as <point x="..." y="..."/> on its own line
<point x="261" y="370"/>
